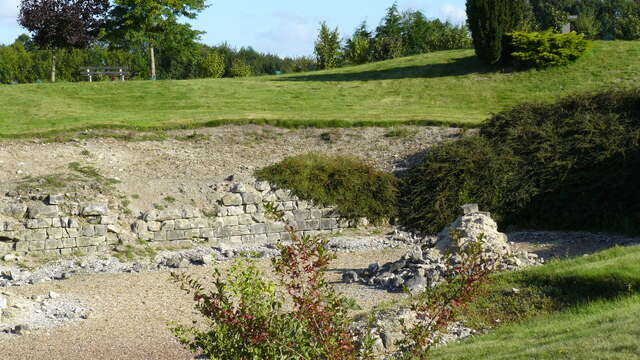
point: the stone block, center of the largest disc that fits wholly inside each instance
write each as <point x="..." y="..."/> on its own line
<point x="259" y="218"/>
<point x="235" y="210"/>
<point x="250" y="209"/>
<point x="230" y="221"/>
<point x="283" y="195"/>
<point x="200" y="223"/>
<point x="72" y="232"/>
<point x="87" y="230"/>
<point x="154" y="226"/>
<point x="232" y="199"/>
<point x="160" y="236"/>
<point x="251" y="198"/>
<point x="240" y="230"/>
<point x="100" y="230"/>
<point x="176" y="235"/>
<point x="41" y="211"/>
<point x="55" y="199"/>
<point x="247" y="239"/>
<point x="191" y="213"/>
<point x="112" y="239"/>
<point x="73" y="223"/>
<point x="10" y="225"/>
<point x="15" y="210"/>
<point x="53" y="244"/>
<point x="315" y="214"/>
<point x="207" y="233"/>
<point x="65" y="252"/>
<point x="55" y="233"/>
<point x="238" y="188"/>
<point x="52" y="252"/>
<point x="259" y="228"/>
<point x="169" y="214"/>
<point x="36" y="245"/>
<point x="168" y="225"/>
<point x="108" y="220"/>
<point x="21" y="246"/>
<point x="192" y="233"/>
<point x="94" y="209"/>
<point x="84" y="241"/>
<point x="38" y="223"/>
<point x="260" y="239"/>
<point x="245" y="219"/>
<point x="69" y="243"/>
<point x="183" y="224"/>
<point x="273" y="237"/>
<point x="56" y="222"/>
<point x="145" y="235"/>
<point x="262" y="186"/>
<point x="151" y="215"/>
<point x="36" y="235"/>
<point x="139" y="226"/>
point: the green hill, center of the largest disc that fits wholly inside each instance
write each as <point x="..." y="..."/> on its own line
<point x="449" y="87"/>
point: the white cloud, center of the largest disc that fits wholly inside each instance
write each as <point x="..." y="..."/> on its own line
<point x="292" y="36"/>
<point x="8" y="11"/>
<point x="453" y="13"/>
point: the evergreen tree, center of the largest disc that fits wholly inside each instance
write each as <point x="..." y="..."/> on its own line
<point x="358" y="48"/>
<point x="327" y="47"/>
<point x="489" y="21"/>
<point x="388" y="40"/>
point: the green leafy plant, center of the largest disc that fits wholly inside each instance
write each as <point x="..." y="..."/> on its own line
<point x="246" y="319"/>
<point x="544" y="49"/>
<point x="356" y="189"/>
<point x="240" y="69"/>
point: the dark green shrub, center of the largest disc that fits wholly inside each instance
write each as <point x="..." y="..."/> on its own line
<point x="543" y="49"/>
<point x="240" y="69"/>
<point x="573" y="164"/>
<point x="489" y="21"/>
<point x="355" y="188"/>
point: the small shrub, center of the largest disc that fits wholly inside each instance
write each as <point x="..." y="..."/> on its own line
<point x="212" y="65"/>
<point x="245" y="317"/>
<point x="544" y="49"/>
<point x="240" y="69"/>
<point x="356" y="189"/>
<point x="568" y="165"/>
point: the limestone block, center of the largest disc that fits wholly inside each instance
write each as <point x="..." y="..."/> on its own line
<point x="69" y="243"/>
<point x="73" y="223"/>
<point x="261" y="239"/>
<point x="94" y="209"/>
<point x="108" y="220"/>
<point x="238" y="188"/>
<point x="154" y="226"/>
<point x="84" y="241"/>
<point x="22" y="246"/>
<point x="273" y="237"/>
<point x="168" y="225"/>
<point x="15" y="210"/>
<point x="160" y="236"/>
<point x="38" y="223"/>
<point x="55" y="199"/>
<point x="275" y="227"/>
<point x="139" y="227"/>
<point x="191" y="213"/>
<point x="245" y="219"/>
<point x="250" y="209"/>
<point x="247" y="239"/>
<point x="262" y="186"/>
<point x="259" y="218"/>
<point x="10" y="225"/>
<point x="36" y="235"/>
<point x="151" y="215"/>
<point x="56" y="222"/>
<point x="36" y="245"/>
<point x="112" y="239"/>
<point x="41" y="211"/>
<point x="53" y="244"/>
<point x="316" y="214"/>
<point x="55" y="233"/>
<point x="283" y="195"/>
<point x="87" y="230"/>
<point x="169" y="214"/>
<point x="232" y="199"/>
<point x="183" y="224"/>
<point x="72" y="232"/>
<point x="230" y="221"/>
<point x="176" y="235"/>
<point x="192" y="233"/>
<point x="270" y="197"/>
<point x="240" y="230"/>
<point x="251" y="198"/>
<point x="100" y="230"/>
<point x="259" y="228"/>
<point x="200" y="223"/>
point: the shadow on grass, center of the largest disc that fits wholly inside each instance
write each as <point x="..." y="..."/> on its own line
<point x="458" y="67"/>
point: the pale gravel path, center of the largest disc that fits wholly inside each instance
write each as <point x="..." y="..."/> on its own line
<point x="131" y="311"/>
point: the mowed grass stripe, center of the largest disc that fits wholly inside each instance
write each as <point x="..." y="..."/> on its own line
<point x="442" y="88"/>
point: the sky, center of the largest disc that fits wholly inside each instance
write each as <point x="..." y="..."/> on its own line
<point x="282" y="27"/>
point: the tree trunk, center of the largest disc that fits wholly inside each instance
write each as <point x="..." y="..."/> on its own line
<point x="53" y="67"/>
<point x="153" y="63"/>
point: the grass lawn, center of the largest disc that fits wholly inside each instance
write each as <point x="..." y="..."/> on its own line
<point x="449" y="87"/>
<point x="599" y="298"/>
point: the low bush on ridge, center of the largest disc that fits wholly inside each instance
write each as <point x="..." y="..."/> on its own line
<point x="571" y="164"/>
<point x="356" y="189"/>
<point x="544" y="49"/>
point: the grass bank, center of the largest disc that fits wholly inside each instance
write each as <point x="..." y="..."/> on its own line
<point x="442" y="88"/>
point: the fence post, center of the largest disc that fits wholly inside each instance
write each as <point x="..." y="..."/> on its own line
<point x="89" y="74"/>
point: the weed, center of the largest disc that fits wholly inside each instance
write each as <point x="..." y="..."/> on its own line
<point x="170" y="199"/>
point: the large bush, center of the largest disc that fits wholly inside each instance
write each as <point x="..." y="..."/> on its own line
<point x="543" y="49"/>
<point x="489" y="21"/>
<point x="572" y="164"/>
<point x="355" y="188"/>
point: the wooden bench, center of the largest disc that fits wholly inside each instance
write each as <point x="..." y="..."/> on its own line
<point x="115" y="72"/>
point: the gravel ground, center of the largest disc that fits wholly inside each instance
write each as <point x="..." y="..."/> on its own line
<point x="130" y="312"/>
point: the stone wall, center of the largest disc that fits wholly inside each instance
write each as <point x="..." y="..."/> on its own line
<point x="60" y="225"/>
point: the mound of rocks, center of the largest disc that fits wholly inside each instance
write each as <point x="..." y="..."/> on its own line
<point x="21" y="316"/>
<point x="421" y="268"/>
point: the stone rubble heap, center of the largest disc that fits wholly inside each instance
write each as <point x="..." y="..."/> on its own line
<point x="20" y="316"/>
<point x="421" y="268"/>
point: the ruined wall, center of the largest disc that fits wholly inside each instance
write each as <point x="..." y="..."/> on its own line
<point x="60" y="225"/>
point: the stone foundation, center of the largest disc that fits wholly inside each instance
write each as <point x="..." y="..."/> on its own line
<point x="59" y="225"/>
